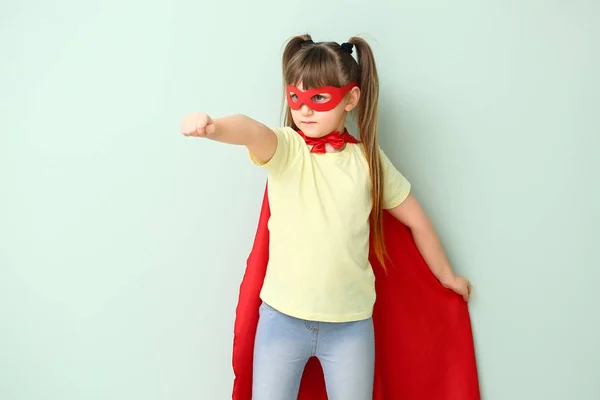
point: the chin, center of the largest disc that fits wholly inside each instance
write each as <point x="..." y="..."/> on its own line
<point x="314" y="131"/>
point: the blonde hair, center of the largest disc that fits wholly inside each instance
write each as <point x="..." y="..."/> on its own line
<point x="329" y="64"/>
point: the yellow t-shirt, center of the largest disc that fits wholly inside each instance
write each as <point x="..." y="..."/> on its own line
<point x="319" y="229"/>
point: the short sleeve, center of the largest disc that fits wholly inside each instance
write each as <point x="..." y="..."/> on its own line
<point x="396" y="187"/>
<point x="286" y="147"/>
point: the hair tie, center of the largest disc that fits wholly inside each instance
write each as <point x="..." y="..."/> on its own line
<point x="347" y="47"/>
<point x="308" y="41"/>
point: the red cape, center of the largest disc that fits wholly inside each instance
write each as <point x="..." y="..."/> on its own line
<point x="423" y="340"/>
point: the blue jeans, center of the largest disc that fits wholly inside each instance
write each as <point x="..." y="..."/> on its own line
<point x="284" y="344"/>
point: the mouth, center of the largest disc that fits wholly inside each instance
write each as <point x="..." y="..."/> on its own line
<point x="307" y="122"/>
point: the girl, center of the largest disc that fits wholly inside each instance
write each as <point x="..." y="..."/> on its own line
<point x="327" y="194"/>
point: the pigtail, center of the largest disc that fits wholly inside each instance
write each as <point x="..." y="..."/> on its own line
<point x="366" y="116"/>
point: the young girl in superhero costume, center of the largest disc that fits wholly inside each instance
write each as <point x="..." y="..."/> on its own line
<point x="326" y="239"/>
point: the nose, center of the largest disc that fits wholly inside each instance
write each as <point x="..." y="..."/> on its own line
<point x="305" y="110"/>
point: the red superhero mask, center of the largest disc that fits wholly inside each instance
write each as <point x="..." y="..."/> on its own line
<point x="307" y="97"/>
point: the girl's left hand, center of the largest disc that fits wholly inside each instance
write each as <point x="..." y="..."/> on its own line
<point x="460" y="285"/>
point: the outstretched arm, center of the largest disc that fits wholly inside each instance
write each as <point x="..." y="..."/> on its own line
<point x="411" y="214"/>
<point x="235" y="129"/>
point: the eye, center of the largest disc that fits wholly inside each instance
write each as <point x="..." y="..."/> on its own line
<point x="319" y="98"/>
<point x="294" y="97"/>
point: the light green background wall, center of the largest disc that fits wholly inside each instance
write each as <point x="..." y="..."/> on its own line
<point x="122" y="244"/>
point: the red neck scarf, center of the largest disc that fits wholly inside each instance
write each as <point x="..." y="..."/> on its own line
<point x="335" y="139"/>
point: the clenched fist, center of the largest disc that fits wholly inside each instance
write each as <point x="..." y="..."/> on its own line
<point x="197" y="124"/>
<point x="460" y="285"/>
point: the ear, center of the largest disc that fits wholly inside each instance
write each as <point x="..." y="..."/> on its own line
<point x="352" y="99"/>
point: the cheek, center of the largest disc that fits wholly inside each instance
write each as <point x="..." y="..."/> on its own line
<point x="334" y="115"/>
<point x="339" y="109"/>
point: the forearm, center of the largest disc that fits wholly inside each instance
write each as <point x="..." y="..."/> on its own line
<point x="431" y="249"/>
<point x="236" y="129"/>
<point x="412" y="215"/>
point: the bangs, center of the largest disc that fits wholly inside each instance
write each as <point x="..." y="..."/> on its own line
<point x="314" y="68"/>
